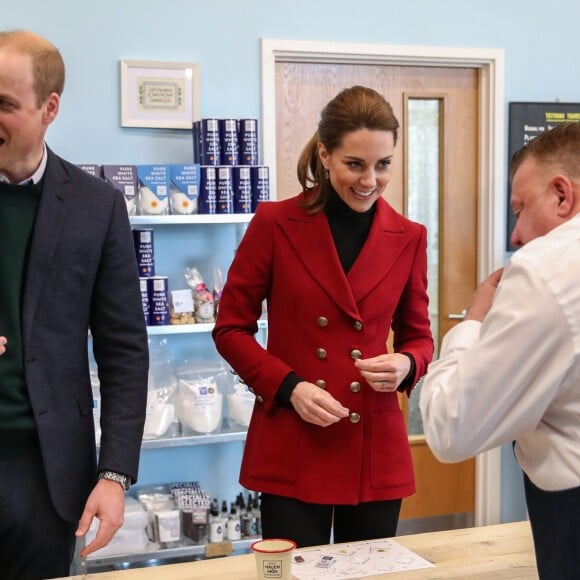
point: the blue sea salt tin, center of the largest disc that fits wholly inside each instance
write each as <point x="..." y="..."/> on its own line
<point x="196" y="136"/>
<point x="242" y="186"/>
<point x="158" y="288"/>
<point x="248" y="141"/>
<point x="207" y="200"/>
<point x="144" y="287"/>
<point x="224" y="188"/>
<point x="229" y="146"/>
<point x="260" y="184"/>
<point x="143" y="241"/>
<point x="209" y="153"/>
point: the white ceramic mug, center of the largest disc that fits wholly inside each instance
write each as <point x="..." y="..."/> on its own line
<point x="274" y="558"/>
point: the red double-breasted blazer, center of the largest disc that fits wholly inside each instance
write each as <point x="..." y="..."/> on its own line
<point x="318" y="318"/>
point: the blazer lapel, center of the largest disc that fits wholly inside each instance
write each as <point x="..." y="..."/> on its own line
<point x="49" y="221"/>
<point x="311" y="238"/>
<point x="386" y="241"/>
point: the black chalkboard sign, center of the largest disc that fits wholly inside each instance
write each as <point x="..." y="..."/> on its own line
<point x="526" y="121"/>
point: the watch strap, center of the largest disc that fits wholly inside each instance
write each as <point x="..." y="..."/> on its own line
<point x="123" y="480"/>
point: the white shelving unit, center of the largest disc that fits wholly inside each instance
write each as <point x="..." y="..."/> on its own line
<point x="188" y="550"/>
<point x="190" y="328"/>
<point x="231" y="218"/>
<point x="159" y="556"/>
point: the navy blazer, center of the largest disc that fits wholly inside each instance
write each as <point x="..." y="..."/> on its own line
<point x="82" y="275"/>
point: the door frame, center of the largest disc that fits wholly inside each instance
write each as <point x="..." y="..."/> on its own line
<point x="489" y="63"/>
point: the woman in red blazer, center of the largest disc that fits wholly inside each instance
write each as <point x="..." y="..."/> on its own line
<point x="339" y="267"/>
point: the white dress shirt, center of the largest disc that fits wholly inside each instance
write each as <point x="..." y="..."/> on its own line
<point x="516" y="376"/>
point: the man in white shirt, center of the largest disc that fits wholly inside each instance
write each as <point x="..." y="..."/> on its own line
<point x="511" y="370"/>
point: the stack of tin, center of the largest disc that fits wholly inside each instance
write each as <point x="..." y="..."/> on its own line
<point x="154" y="289"/>
<point x="231" y="177"/>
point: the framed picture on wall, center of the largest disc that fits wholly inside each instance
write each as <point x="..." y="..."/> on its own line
<point x="526" y="121"/>
<point x="159" y="94"/>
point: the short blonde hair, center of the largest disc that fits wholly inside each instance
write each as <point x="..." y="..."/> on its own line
<point x="559" y="147"/>
<point x="47" y="65"/>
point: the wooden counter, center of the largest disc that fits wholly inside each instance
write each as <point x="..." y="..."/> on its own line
<point x="490" y="552"/>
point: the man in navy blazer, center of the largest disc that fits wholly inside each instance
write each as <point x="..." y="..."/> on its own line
<point x="67" y="267"/>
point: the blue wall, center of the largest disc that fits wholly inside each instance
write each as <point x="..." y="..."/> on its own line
<point x="540" y="40"/>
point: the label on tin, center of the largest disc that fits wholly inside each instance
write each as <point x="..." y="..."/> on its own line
<point x="242" y="186"/>
<point x="143" y="286"/>
<point x="248" y="140"/>
<point x="143" y="241"/>
<point x="207" y="190"/>
<point x="260" y="185"/>
<point x="91" y="169"/>
<point x="229" y="146"/>
<point x="225" y="192"/>
<point x="209" y="142"/>
<point x="158" y="300"/>
<point x="196" y="136"/>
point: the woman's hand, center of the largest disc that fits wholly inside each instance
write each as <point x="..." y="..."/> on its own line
<point x="3" y="342"/>
<point x="384" y="373"/>
<point x="316" y="406"/>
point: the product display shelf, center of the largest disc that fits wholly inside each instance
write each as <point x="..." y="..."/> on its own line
<point x="187" y="550"/>
<point x="222" y="218"/>
<point x="155" y="556"/>
<point x="191" y="440"/>
<point x="190" y="328"/>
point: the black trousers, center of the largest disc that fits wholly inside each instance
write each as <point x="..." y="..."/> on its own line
<point x="310" y="524"/>
<point x="555" y="521"/>
<point x="35" y="543"/>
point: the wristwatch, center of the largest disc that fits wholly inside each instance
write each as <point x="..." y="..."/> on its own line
<point x="123" y="480"/>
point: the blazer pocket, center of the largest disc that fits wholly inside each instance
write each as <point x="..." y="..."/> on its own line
<point x="391" y="462"/>
<point x="273" y="447"/>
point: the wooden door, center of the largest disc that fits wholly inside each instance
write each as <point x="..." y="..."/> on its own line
<point x="302" y="90"/>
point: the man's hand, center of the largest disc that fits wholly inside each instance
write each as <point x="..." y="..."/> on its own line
<point x="384" y="373"/>
<point x="107" y="503"/>
<point x="483" y="297"/>
<point x="3" y="343"/>
<point x="315" y="405"/>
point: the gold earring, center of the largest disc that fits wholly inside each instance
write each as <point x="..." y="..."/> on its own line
<point x="326" y="174"/>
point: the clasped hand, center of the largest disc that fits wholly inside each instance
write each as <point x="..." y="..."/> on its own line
<point x="384" y="373"/>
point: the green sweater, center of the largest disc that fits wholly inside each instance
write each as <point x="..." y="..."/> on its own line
<point x="18" y="205"/>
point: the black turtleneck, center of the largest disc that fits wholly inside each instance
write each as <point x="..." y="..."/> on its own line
<point x="349" y="228"/>
<point x="349" y="231"/>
